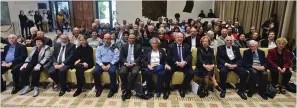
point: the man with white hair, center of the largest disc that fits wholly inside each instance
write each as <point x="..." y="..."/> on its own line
<point x="221" y="39"/>
<point x="13" y="58"/>
<point x="47" y="41"/>
<point x="229" y="59"/>
<point x="213" y="42"/>
<point x="255" y="62"/>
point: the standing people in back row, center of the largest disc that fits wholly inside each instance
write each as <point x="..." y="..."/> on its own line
<point x="38" y="21"/>
<point x="30" y="21"/>
<point x="23" y="22"/>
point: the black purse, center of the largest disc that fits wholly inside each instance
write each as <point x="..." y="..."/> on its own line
<point x="291" y="87"/>
<point x="202" y="91"/>
<point x="270" y="91"/>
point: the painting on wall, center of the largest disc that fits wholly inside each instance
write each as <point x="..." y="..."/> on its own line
<point x="154" y="9"/>
<point x="5" y="17"/>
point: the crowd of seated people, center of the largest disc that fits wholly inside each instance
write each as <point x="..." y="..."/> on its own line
<point x="163" y="50"/>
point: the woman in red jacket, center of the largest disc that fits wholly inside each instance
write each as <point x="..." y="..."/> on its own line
<point x="279" y="60"/>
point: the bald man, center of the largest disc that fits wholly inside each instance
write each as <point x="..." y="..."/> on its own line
<point x="194" y="39"/>
<point x="13" y="58"/>
<point x="180" y="59"/>
<point x="255" y="62"/>
<point x="47" y="41"/>
<point x="62" y="59"/>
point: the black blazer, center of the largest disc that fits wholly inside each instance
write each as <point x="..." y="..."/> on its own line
<point x="23" y="19"/>
<point x="205" y="57"/>
<point x="222" y="56"/>
<point x="147" y="57"/>
<point x="240" y="30"/>
<point x="264" y="43"/>
<point x="47" y="41"/>
<point x="20" y="54"/>
<point x="37" y="18"/>
<point x="85" y="54"/>
<point x="69" y="53"/>
<point x="188" y="40"/>
<point x="137" y="54"/>
<point x="247" y="60"/>
<point x="172" y="54"/>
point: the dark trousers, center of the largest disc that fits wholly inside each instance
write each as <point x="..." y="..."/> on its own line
<point x="15" y="73"/>
<point x="124" y="72"/>
<point x="30" y="24"/>
<point x="148" y="75"/>
<point x="59" y="75"/>
<point x="112" y="75"/>
<point x="25" y="74"/>
<point x="241" y="72"/>
<point x="39" y="26"/>
<point x="24" y="27"/>
<point x="286" y="76"/>
<point x="188" y="72"/>
<point x="167" y="78"/>
<point x="80" y="76"/>
<point x="257" y="76"/>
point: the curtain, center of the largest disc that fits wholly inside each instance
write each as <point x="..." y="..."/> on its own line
<point x="255" y="13"/>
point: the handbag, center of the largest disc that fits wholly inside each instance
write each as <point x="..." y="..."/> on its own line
<point x="291" y="87"/>
<point x="270" y="91"/>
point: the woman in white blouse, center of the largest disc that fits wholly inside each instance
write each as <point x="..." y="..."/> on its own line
<point x="154" y="62"/>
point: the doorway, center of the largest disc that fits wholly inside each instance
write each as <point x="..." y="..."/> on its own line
<point x="107" y="11"/>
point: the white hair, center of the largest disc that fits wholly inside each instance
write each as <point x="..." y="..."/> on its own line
<point x="210" y="32"/>
<point x="155" y="39"/>
<point x="253" y="42"/>
<point x="228" y="37"/>
<point x="12" y="35"/>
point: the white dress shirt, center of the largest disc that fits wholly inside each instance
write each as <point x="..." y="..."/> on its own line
<point x="193" y="40"/>
<point x="155" y="58"/>
<point x="230" y="53"/>
<point x="271" y="44"/>
<point x="131" y="48"/>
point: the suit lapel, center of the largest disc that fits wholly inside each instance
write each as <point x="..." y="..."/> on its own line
<point x="160" y="54"/>
<point x="149" y="56"/>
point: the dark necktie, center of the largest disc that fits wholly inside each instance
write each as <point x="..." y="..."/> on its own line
<point x="179" y="53"/>
<point x="61" y="55"/>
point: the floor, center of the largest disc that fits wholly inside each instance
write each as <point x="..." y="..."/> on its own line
<point x="49" y="98"/>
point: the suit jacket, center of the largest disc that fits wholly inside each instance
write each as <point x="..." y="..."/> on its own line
<point x="240" y="44"/>
<point x="20" y="53"/>
<point x="47" y="41"/>
<point x="222" y="56"/>
<point x="172" y="54"/>
<point x="69" y="53"/>
<point x="43" y="56"/>
<point x="240" y="30"/>
<point x="188" y="40"/>
<point x="147" y="57"/>
<point x="272" y="58"/>
<point x="137" y="54"/>
<point x="247" y="60"/>
<point x="264" y="43"/>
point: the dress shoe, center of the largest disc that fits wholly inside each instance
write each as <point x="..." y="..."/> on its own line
<point x="250" y="94"/>
<point x="67" y="89"/>
<point x="166" y="94"/>
<point x="98" y="92"/>
<point x="263" y="96"/>
<point x="62" y="92"/>
<point x="77" y="92"/>
<point x="182" y="93"/>
<point x="282" y="89"/>
<point x="26" y="90"/>
<point x="150" y="95"/>
<point x="124" y="95"/>
<point x="36" y="91"/>
<point x="218" y="88"/>
<point x="57" y="87"/>
<point x="223" y="94"/>
<point x="129" y="94"/>
<point x="242" y="95"/>
<point x="110" y="94"/>
<point x="15" y="89"/>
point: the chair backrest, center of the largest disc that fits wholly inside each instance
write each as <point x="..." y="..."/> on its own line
<point x="94" y="55"/>
<point x="263" y="49"/>
<point x="194" y="55"/>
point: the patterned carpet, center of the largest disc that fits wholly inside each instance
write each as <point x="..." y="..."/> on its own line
<point x="49" y="98"/>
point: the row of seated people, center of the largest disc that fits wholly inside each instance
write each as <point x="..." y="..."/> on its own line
<point x="177" y="57"/>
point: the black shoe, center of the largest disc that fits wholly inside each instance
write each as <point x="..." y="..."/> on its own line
<point x="15" y="89"/>
<point x="223" y="94"/>
<point x="129" y="94"/>
<point x="98" y="92"/>
<point x="218" y="88"/>
<point x="124" y="95"/>
<point x="182" y="93"/>
<point x="77" y="92"/>
<point x="62" y="92"/>
<point x="110" y="94"/>
<point x="67" y="89"/>
<point x="242" y="95"/>
<point x="250" y="94"/>
<point x="166" y="94"/>
<point x="158" y="95"/>
<point x="282" y="89"/>
<point x="150" y="95"/>
<point x="263" y="96"/>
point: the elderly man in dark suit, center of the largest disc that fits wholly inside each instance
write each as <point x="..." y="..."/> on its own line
<point x="229" y="59"/>
<point x="13" y="57"/>
<point x="130" y="61"/>
<point x="63" y="59"/>
<point x="180" y="59"/>
<point x="47" y="41"/>
<point x="194" y="39"/>
<point x="255" y="62"/>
